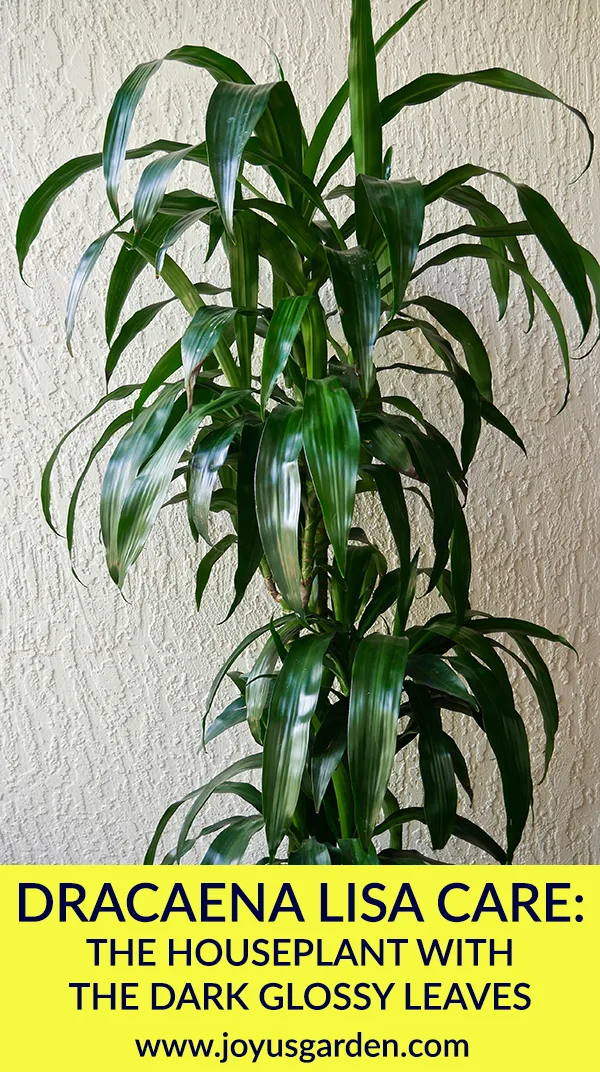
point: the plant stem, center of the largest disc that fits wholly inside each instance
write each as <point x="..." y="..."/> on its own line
<point x="311" y="523"/>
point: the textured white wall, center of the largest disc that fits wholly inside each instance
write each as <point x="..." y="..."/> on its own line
<point x="102" y="697"/>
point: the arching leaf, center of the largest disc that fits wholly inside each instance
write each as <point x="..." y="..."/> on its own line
<point x="356" y="284"/>
<point x="278" y="492"/>
<point x="332" y="445"/>
<point x="281" y="333"/>
<point x="292" y="706"/>
<point x="377" y="681"/>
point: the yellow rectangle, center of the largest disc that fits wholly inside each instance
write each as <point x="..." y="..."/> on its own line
<point x="337" y="967"/>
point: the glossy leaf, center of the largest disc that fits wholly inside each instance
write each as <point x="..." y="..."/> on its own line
<point x="436" y="766"/>
<point x="239" y="650"/>
<point x="486" y="253"/>
<point x="463" y="829"/>
<point x="399" y="208"/>
<point x="208" y="457"/>
<point x="328" y="748"/>
<point x="39" y="204"/>
<point x="137" y="323"/>
<point x="332" y="444"/>
<point x="140" y="506"/>
<point x="391" y="493"/>
<point x="377" y="680"/>
<point x="45" y="484"/>
<point x="118" y="126"/>
<point x="282" y="331"/>
<point x="233" y="113"/>
<point x="230" y="846"/>
<point x="250" y="550"/>
<point x="232" y="715"/>
<point x="433" y="671"/>
<point x="356" y="285"/>
<point x="542" y="684"/>
<point x="508" y="739"/>
<point x="365" y="115"/>
<point x="460" y="327"/>
<point x="460" y="564"/>
<point x="208" y="561"/>
<point x="153" y="186"/>
<point x="430" y="86"/>
<point x="311" y="853"/>
<point x="115" y="426"/>
<point x="201" y="796"/>
<point x="178" y="229"/>
<point x="278" y="493"/>
<point x="243" y="268"/>
<point x="200" y="338"/>
<point x="259" y="683"/>
<point x="133" y="450"/>
<point x="562" y="250"/>
<point x="328" y="119"/>
<point x="292" y="706"/>
<point x="81" y="275"/>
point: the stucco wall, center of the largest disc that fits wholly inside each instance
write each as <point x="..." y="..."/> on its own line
<point x="102" y="697"/>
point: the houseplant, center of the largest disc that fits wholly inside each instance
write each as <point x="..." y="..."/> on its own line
<point x="276" y="417"/>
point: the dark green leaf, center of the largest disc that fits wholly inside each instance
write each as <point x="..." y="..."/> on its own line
<point x="560" y="247"/>
<point x="541" y="681"/>
<point x="114" y="396"/>
<point x="115" y="426"/>
<point x="292" y="706"/>
<point x="436" y="765"/>
<point x="461" y="329"/>
<point x="177" y="229"/>
<point x="486" y="253"/>
<point x="377" y="680"/>
<point x="460" y="564"/>
<point x="153" y="186"/>
<point x="431" y="670"/>
<point x="364" y="97"/>
<point x="208" y="457"/>
<point x="391" y="493"/>
<point x="508" y="738"/>
<point x="332" y="445"/>
<point x="310" y="854"/>
<point x="233" y="113"/>
<point x="430" y="86"/>
<point x="328" y="748"/>
<point x="463" y="829"/>
<point x="354" y="854"/>
<point x="235" y="654"/>
<point x="38" y="205"/>
<point x="118" y="126"/>
<point x="278" y="493"/>
<point x="250" y="551"/>
<point x="356" y="284"/>
<point x="200" y="338"/>
<point x="331" y="113"/>
<point x="169" y="363"/>
<point x="282" y="331"/>
<point x="229" y="847"/>
<point x="208" y="561"/>
<point x="243" y="267"/>
<point x="200" y="797"/>
<point x="140" y="320"/>
<point x="260" y="680"/>
<point x="399" y="208"/>
<point x="132" y="451"/>
<point x="231" y="716"/>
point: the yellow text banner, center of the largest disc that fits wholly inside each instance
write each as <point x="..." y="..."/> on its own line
<point x="338" y="967"/>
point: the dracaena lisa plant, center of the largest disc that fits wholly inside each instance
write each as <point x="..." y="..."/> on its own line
<point x="269" y="417"/>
